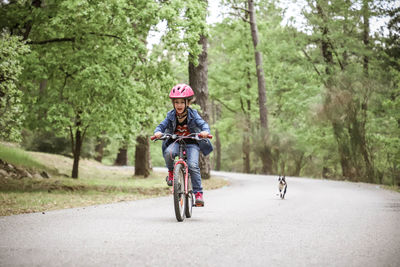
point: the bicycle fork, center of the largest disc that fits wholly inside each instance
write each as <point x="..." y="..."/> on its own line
<point x="186" y="170"/>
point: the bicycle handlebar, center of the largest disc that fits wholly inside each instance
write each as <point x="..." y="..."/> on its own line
<point x="194" y="136"/>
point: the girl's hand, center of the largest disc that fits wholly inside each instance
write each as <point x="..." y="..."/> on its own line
<point x="204" y="134"/>
<point x="158" y="134"/>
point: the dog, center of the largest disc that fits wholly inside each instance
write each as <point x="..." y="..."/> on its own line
<point x="282" y="186"/>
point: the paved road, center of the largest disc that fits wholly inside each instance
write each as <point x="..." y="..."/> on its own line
<point x="321" y="223"/>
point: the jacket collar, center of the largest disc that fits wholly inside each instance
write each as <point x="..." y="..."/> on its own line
<point x="172" y="114"/>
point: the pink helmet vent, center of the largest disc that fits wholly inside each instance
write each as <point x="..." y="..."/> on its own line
<point x="181" y="91"/>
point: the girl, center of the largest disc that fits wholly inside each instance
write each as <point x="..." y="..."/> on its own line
<point x="183" y="120"/>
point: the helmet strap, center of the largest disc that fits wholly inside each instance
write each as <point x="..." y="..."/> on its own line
<point x="184" y="113"/>
<point x="186" y="105"/>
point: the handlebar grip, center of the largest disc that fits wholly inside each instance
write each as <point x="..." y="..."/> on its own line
<point x="209" y="136"/>
<point x="153" y="137"/>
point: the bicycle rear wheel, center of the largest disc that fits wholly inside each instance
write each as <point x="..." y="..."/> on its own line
<point x="179" y="193"/>
<point x="189" y="199"/>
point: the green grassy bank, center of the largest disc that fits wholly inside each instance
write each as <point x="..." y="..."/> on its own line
<point x="97" y="183"/>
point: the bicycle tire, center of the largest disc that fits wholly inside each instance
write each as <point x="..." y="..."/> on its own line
<point x="189" y="199"/>
<point x="179" y="193"/>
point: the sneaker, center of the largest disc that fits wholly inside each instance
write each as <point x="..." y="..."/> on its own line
<point x="199" y="199"/>
<point x="170" y="178"/>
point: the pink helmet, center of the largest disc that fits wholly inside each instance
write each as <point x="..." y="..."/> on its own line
<point x="181" y="91"/>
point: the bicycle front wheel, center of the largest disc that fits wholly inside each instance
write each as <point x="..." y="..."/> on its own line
<point x="189" y="199"/>
<point x="179" y="192"/>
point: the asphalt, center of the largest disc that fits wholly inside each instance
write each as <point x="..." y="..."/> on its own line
<point x="320" y="223"/>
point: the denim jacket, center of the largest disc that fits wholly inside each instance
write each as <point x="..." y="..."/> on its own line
<point x="195" y="124"/>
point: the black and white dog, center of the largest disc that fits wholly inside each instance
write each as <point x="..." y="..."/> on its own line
<point x="282" y="186"/>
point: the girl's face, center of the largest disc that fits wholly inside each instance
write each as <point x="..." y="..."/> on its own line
<point x="179" y="105"/>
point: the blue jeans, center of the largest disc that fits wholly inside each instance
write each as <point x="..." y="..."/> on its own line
<point x="192" y="154"/>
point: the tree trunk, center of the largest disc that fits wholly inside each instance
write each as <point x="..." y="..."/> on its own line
<point x="262" y="98"/>
<point x="359" y="144"/>
<point x="246" y="109"/>
<point x="246" y="137"/>
<point x="217" y="151"/>
<point x="142" y="156"/>
<point x="246" y="153"/>
<point x="198" y="81"/>
<point x="348" y="171"/>
<point x="77" y="153"/>
<point x="99" y="149"/>
<point x="216" y="112"/>
<point x="266" y="155"/>
<point x="122" y="156"/>
<point x="76" y="143"/>
<point x="298" y="164"/>
<point x="365" y="14"/>
<point x="337" y="126"/>
<point x="370" y="172"/>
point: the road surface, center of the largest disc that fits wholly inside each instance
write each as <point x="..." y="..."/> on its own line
<point x="321" y="223"/>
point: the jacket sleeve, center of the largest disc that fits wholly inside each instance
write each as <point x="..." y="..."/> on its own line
<point x="162" y="126"/>
<point x="202" y="124"/>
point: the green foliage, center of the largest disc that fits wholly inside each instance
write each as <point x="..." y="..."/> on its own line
<point x="292" y="90"/>
<point x="11" y="109"/>
<point x="89" y="69"/>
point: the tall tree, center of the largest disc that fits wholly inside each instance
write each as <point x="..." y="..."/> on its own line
<point x="198" y="81"/>
<point x="233" y="94"/>
<point x="346" y="104"/>
<point x="249" y="16"/>
<point x="198" y="77"/>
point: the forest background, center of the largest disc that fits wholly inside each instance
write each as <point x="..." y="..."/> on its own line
<point x="79" y="78"/>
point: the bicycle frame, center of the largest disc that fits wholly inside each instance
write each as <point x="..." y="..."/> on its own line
<point x="182" y="152"/>
<point x="183" y="199"/>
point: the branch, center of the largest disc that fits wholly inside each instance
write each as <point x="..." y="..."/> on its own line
<point x="72" y="39"/>
<point x="56" y="40"/>
<point x="309" y="58"/>
<point x="324" y="18"/>
<point x="241" y="105"/>
<point x="241" y="8"/>
<point x="65" y="83"/>
<point x="84" y="132"/>
<point x="106" y="35"/>
<point x="226" y="106"/>
<point x="240" y="16"/>
<point x="337" y="56"/>
<point x="315" y="67"/>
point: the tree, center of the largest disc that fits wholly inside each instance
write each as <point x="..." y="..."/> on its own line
<point x="198" y="80"/>
<point x="11" y="109"/>
<point x="142" y="156"/>
<point x="233" y="93"/>
<point x="349" y="59"/>
<point x="180" y="37"/>
<point x="81" y="51"/>
<point x="294" y="91"/>
<point x="250" y="17"/>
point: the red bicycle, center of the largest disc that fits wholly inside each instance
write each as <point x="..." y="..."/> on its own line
<point x="182" y="183"/>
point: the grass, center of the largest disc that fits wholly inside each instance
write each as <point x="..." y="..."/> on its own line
<point x="392" y="188"/>
<point x="19" y="157"/>
<point x="35" y="195"/>
<point x="97" y="184"/>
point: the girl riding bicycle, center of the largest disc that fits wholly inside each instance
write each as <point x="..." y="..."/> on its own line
<point x="182" y="120"/>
